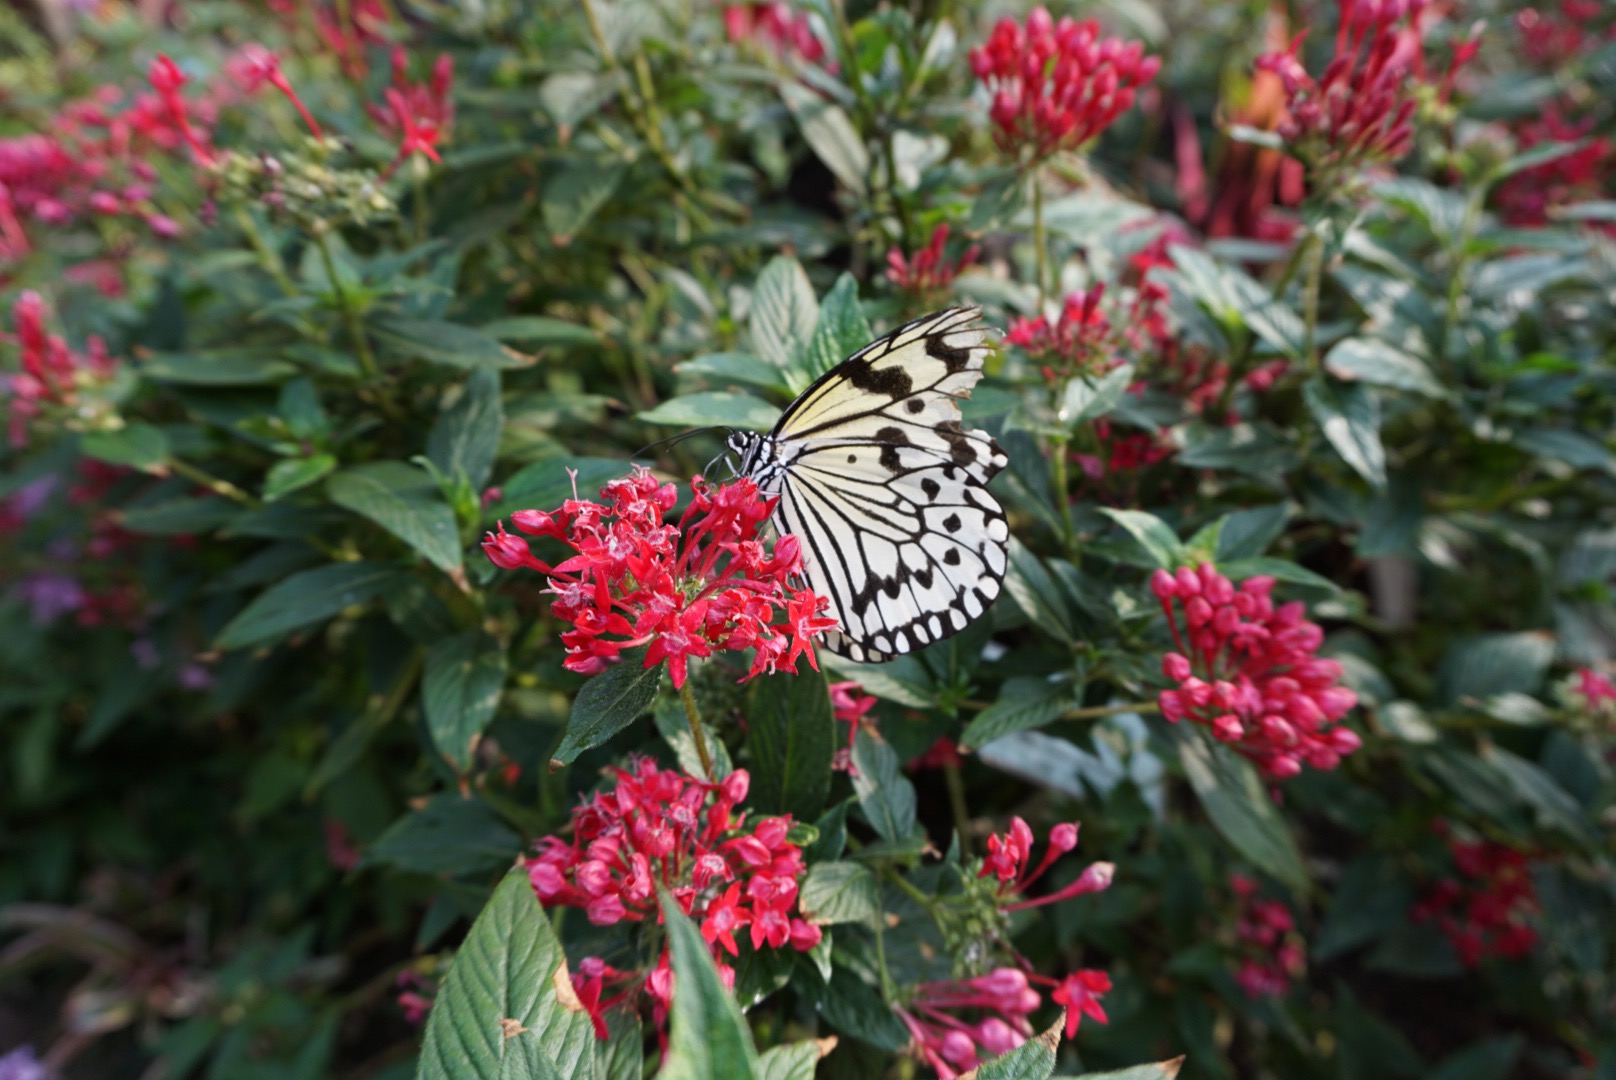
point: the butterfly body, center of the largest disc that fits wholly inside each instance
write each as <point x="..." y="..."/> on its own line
<point x="886" y="489"/>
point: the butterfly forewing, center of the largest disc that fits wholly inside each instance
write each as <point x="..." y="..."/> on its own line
<point x="886" y="490"/>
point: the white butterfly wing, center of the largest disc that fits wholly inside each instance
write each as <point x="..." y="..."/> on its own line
<point x="886" y="489"/>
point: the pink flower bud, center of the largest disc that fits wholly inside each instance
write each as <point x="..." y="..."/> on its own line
<point x="735" y="786"/>
<point x="1063" y="837"/>
<point x="1163" y="585"/>
<point x="1175" y="667"/>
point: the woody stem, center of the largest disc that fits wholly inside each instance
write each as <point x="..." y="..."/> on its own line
<point x="693" y="715"/>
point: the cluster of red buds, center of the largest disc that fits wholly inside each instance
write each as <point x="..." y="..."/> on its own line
<point x="1594" y="693"/>
<point x="1115" y="469"/>
<point x="659" y="828"/>
<point x="1488" y="909"/>
<point x="418" y="115"/>
<point x="1554" y="38"/>
<point x="707" y="584"/>
<point x="1057" y="86"/>
<point x="928" y="272"/>
<point x="1080" y="342"/>
<point x="957" y="1022"/>
<point x="1248" y="671"/>
<point x="1361" y="109"/>
<point x="774" y="24"/>
<point x="1271" y="954"/>
<point x="52" y="373"/>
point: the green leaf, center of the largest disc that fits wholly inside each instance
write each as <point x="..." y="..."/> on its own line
<point x="1375" y="362"/>
<point x="1553" y="805"/>
<point x="137" y="445"/>
<point x="406" y="502"/>
<point x="1034" y="590"/>
<point x="465" y="437"/>
<point x="1240" y="809"/>
<point x="903" y="680"/>
<point x="498" y="1016"/>
<point x="303" y="599"/>
<point x="723" y="368"/>
<point x="1161" y="1070"/>
<point x="1279" y="569"/>
<point x="545" y="485"/>
<point x="1024" y="701"/>
<point x="784" y="312"/>
<point x="226" y="367"/>
<point x="827" y="129"/>
<point x="537" y="331"/>
<point x="178" y="517"/>
<point x="1089" y="399"/>
<point x="608" y="703"/>
<point x="1032" y="1060"/>
<point x="885" y="795"/>
<point x="1153" y="534"/>
<point x="714" y="408"/>
<point x="1482" y="667"/>
<point x="794" y="1062"/>
<point x="674" y="726"/>
<point x="842" y="329"/>
<point x="1490" y="1059"/>
<point x="1571" y="447"/>
<point x="1233" y="296"/>
<point x="460" y="691"/>
<point x="300" y="407"/>
<point x="791" y="735"/>
<point x="1000" y="200"/>
<point x="446" y="343"/>
<point x="294" y="474"/>
<point x="1349" y="415"/>
<point x="839" y="892"/>
<point x="708" y="1039"/>
<point x="574" y="194"/>
<point x="449" y="835"/>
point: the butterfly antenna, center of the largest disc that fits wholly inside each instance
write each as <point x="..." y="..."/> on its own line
<point x="673" y="439"/>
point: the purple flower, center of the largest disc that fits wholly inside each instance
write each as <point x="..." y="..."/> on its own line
<point x="21" y="1064"/>
<point x="51" y="596"/>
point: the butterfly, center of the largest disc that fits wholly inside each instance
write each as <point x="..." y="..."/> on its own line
<point x="887" y="490"/>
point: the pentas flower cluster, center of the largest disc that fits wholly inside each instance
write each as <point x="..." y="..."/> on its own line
<point x="52" y="373"/>
<point x="1361" y="109"/>
<point x="1271" y="954"/>
<point x="418" y="115"/>
<point x="1247" y="671"/>
<point x="1594" y="693"/>
<point x="1080" y="341"/>
<point x="1057" y="86"/>
<point x="706" y="584"/>
<point x="1010" y="855"/>
<point x="785" y="32"/>
<point x="1489" y="908"/>
<point x="659" y="828"/>
<point x="1555" y="36"/>
<point x="1526" y="197"/>
<point x="928" y="272"/>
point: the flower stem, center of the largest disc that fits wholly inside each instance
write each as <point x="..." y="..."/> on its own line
<point x="1097" y="712"/>
<point x="957" y="805"/>
<point x="1311" y="284"/>
<point x="268" y="258"/>
<point x="1040" y="239"/>
<point x="215" y="484"/>
<point x="693" y="716"/>
<point x="356" y="330"/>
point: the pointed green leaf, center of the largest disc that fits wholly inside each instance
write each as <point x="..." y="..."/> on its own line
<point x="574" y="194"/>
<point x="1024" y="701"/>
<point x="831" y="134"/>
<point x="460" y="689"/>
<point x="714" y="408"/>
<point x="303" y="599"/>
<point x="498" y="1016"/>
<point x="839" y="892"/>
<point x="294" y="474"/>
<point x="1349" y="415"/>
<point x="1153" y="534"/>
<point x="791" y="734"/>
<point x="137" y="445"/>
<point x="406" y="502"/>
<point x="842" y="329"/>
<point x="708" y="1039"/>
<point x="446" y="343"/>
<point x="608" y="703"/>
<point x="885" y="795"/>
<point x="784" y="311"/>
<point x="1240" y="809"/>
<point x="465" y="437"/>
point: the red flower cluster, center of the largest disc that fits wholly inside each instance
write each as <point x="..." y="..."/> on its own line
<point x="999" y="1003"/>
<point x="1595" y="691"/>
<point x="1487" y="910"/>
<point x="1010" y="854"/>
<point x="418" y="115"/>
<point x="1271" y="949"/>
<point x="254" y="67"/>
<point x="1248" y="671"/>
<point x="1055" y="85"/>
<point x="1080" y="342"/>
<point x="928" y="272"/>
<point x="51" y="372"/>
<point x="1526" y="197"/>
<point x="706" y="584"/>
<point x="786" y="32"/>
<point x="1552" y="39"/>
<point x="659" y="827"/>
<point x="1362" y="108"/>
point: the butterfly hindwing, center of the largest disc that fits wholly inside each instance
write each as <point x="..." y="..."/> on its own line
<point x="885" y="488"/>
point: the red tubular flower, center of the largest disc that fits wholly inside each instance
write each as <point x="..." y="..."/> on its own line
<point x="254" y="66"/>
<point x="1361" y="109"/>
<point x="849" y="704"/>
<point x="1248" y="671"/>
<point x="1080" y="993"/>
<point x="52" y="373"/>
<point x="1010" y="854"/>
<point x="166" y="79"/>
<point x="659" y="826"/>
<point x="1488" y="910"/>
<point x="418" y="115"/>
<point x="997" y="1005"/>
<point x="1057" y="86"/>
<point x="703" y="586"/>
<point x="928" y="272"/>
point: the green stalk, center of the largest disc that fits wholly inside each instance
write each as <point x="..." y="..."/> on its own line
<point x="1040" y="240"/>
<point x="693" y="716"/>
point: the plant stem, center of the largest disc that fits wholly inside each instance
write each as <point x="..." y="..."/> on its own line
<point x="956" y="803"/>
<point x="1456" y="277"/>
<point x="1311" y="285"/>
<point x="1097" y="712"/>
<point x="215" y="484"/>
<point x="356" y="331"/>
<point x="909" y="889"/>
<point x="693" y="716"/>
<point x="267" y="256"/>
<point x="1040" y="240"/>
